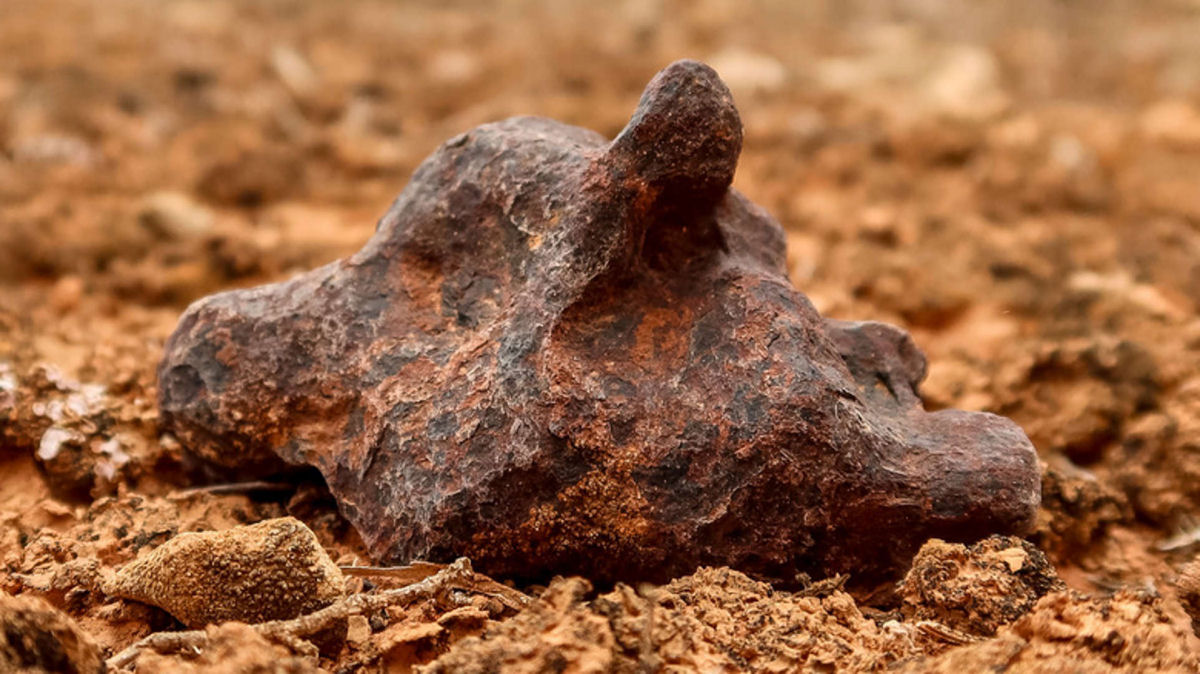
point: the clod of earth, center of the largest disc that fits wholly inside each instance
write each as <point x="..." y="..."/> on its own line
<point x="273" y="570"/>
<point x="559" y="354"/>
<point x="977" y="589"/>
<point x="36" y="638"/>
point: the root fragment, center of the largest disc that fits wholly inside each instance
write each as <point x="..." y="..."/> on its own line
<point x="456" y="577"/>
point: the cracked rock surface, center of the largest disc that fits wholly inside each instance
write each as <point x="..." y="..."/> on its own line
<point x="560" y="354"/>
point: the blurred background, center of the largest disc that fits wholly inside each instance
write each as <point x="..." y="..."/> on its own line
<point x="1018" y="183"/>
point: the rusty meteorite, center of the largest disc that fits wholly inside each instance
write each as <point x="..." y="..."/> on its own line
<point x="559" y="354"/>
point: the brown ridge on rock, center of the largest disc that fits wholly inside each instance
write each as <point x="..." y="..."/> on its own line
<point x="563" y="355"/>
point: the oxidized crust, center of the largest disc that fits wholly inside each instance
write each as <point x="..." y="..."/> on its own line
<point x="560" y="355"/>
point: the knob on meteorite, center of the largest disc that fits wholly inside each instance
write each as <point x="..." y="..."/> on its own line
<point x="563" y="355"/>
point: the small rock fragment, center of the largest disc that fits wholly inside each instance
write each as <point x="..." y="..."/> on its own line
<point x="358" y="630"/>
<point x="978" y="588"/>
<point x="749" y="73"/>
<point x="273" y="570"/>
<point x="66" y="293"/>
<point x="294" y="70"/>
<point x="174" y="216"/>
<point x="35" y="638"/>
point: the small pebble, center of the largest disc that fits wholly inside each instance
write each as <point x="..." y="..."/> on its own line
<point x="174" y="216"/>
<point x="273" y="570"/>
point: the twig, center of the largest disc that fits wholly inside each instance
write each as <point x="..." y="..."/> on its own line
<point x="417" y="571"/>
<point x="824" y="587"/>
<point x="1189" y="534"/>
<point x="458" y="575"/>
<point x="407" y="574"/>
<point x="231" y="488"/>
<point x="946" y="634"/>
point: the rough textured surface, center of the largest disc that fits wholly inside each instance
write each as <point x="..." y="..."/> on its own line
<point x="1077" y="510"/>
<point x="715" y="620"/>
<point x="233" y="648"/>
<point x="1064" y="223"/>
<point x="1188" y="586"/>
<point x="563" y="355"/>
<point x="977" y="589"/>
<point x="1127" y="632"/>
<point x="272" y="570"/>
<point x="35" y="638"/>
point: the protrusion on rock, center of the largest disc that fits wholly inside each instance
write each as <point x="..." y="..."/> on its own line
<point x="273" y="570"/>
<point x="560" y="354"/>
<point x="683" y="141"/>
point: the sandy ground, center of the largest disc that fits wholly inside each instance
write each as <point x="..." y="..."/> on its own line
<point x="1015" y="183"/>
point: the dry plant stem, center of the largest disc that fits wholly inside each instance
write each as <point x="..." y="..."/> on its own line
<point x="1189" y="534"/>
<point x="409" y="573"/>
<point x="417" y="571"/>
<point x="458" y="575"/>
<point x="946" y="634"/>
<point x="232" y="488"/>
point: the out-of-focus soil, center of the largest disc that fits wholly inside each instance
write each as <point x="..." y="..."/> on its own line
<point x="1015" y="183"/>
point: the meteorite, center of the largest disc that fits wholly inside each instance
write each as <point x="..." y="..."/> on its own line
<point x="559" y="354"/>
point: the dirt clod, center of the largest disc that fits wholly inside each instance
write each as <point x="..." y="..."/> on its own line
<point x="978" y="588"/>
<point x="273" y="570"/>
<point x="715" y="620"/>
<point x="35" y="638"/>
<point x="1065" y="631"/>
<point x="1188" y="585"/>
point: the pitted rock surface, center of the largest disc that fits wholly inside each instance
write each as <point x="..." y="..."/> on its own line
<point x="559" y="354"/>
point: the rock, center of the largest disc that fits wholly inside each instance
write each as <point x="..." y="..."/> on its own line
<point x="965" y="81"/>
<point x="70" y="426"/>
<point x="175" y="216"/>
<point x="36" y="638"/>
<point x="273" y="570"/>
<point x="66" y="293"/>
<point x="980" y="588"/>
<point x="294" y="70"/>
<point x="563" y="355"/>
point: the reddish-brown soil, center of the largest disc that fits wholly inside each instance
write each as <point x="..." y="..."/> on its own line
<point x="1014" y="183"/>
